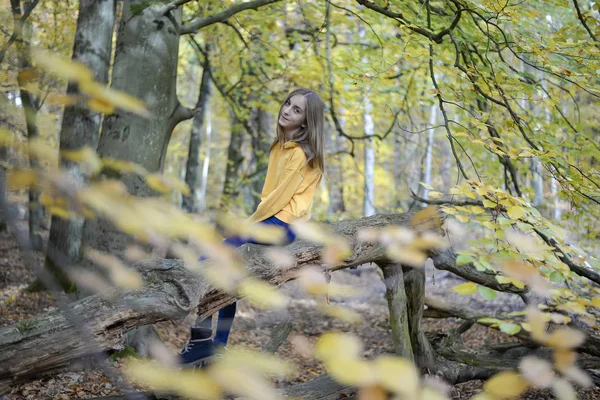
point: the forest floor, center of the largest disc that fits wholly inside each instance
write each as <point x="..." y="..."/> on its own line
<point x="252" y="327"/>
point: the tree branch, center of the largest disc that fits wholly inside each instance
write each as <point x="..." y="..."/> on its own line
<point x="194" y="26"/>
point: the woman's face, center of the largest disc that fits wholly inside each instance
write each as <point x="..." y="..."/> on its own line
<point x="293" y="113"/>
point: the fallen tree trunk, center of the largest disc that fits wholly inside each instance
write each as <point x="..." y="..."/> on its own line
<point x="45" y="344"/>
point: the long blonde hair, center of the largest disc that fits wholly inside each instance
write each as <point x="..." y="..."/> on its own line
<point x="310" y="138"/>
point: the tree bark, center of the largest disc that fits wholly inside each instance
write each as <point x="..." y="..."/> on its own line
<point x="261" y="144"/>
<point x="171" y="292"/>
<point x="190" y="203"/>
<point x="80" y="125"/>
<point x="231" y="187"/>
<point x="145" y="67"/>
<point x="30" y="108"/>
<point x="397" y="302"/>
<point x="335" y="177"/>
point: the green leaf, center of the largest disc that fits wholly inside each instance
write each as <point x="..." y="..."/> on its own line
<point x="464" y="259"/>
<point x="510" y="328"/>
<point x="556" y="277"/>
<point x="465" y="288"/>
<point x="486" y="292"/>
<point x="489" y="321"/>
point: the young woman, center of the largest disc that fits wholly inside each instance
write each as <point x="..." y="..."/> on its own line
<point x="295" y="168"/>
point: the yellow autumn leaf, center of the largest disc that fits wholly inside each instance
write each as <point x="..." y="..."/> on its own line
<point x="477" y="210"/>
<point x="426" y="219"/>
<point x="20" y="178"/>
<point x="312" y="279"/>
<point x="515" y="212"/>
<point x="192" y="384"/>
<point x="371" y="392"/>
<point x="337" y="345"/>
<point x="341" y="313"/>
<point x="565" y="339"/>
<point x="596" y="302"/>
<point x="164" y="184"/>
<point x="123" y="166"/>
<point x="537" y="324"/>
<point x="335" y="252"/>
<point x="462" y="218"/>
<point x="466" y="288"/>
<point x="434" y="195"/>
<point x="61" y="99"/>
<point x="506" y="385"/>
<point x="257" y="361"/>
<point x="243" y="382"/>
<point x="563" y="390"/>
<point x="262" y="294"/>
<point x="489" y="204"/>
<point x="59" y="67"/>
<point x="406" y="255"/>
<point x="262" y="233"/>
<point x="86" y="156"/>
<point x="312" y="231"/>
<point x="397" y="375"/>
<point x="564" y="359"/>
<point x="537" y="371"/>
<point x="351" y="371"/>
<point x="120" y="274"/>
<point x="100" y="106"/>
<point x="116" y="98"/>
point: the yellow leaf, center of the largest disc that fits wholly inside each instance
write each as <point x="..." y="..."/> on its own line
<point x="596" y="302"/>
<point x="489" y="204"/>
<point x="434" y="195"/>
<point x="101" y="106"/>
<point x="262" y="233"/>
<point x="243" y="382"/>
<point x="61" y="99"/>
<point x="537" y="324"/>
<point x="425" y="219"/>
<point x="506" y="385"/>
<point x="537" y="371"/>
<point x="120" y="274"/>
<point x="350" y="371"/>
<point x="409" y="256"/>
<point x="312" y="231"/>
<point x="314" y="282"/>
<point x="466" y="288"/>
<point x="256" y="361"/>
<point x="115" y="98"/>
<point x="477" y="210"/>
<point x="462" y="218"/>
<point x="397" y="375"/>
<point x="337" y="345"/>
<point x="20" y="178"/>
<point x="515" y="212"/>
<point x="563" y="390"/>
<point x="85" y="156"/>
<point x="341" y="313"/>
<point x="371" y="393"/>
<point x="164" y="184"/>
<point x="564" y="359"/>
<point x="262" y="294"/>
<point x="123" y="166"/>
<point x="59" y="67"/>
<point x="193" y="384"/>
<point x="336" y="251"/>
<point x="565" y="338"/>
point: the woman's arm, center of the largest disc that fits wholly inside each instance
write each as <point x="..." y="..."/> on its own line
<point x="290" y="181"/>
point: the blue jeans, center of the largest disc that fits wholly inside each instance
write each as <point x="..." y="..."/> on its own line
<point x="227" y="313"/>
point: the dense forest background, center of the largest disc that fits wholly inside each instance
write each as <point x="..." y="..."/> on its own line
<point x="477" y="115"/>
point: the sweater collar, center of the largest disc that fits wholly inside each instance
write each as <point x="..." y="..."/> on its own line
<point x="289" y="145"/>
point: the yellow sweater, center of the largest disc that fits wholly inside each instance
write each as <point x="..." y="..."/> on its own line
<point x="289" y="187"/>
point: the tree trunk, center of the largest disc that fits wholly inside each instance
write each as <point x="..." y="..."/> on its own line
<point x="335" y="181"/>
<point x="171" y="292"/>
<point x="369" y="174"/>
<point x="231" y="188"/>
<point x="202" y="202"/>
<point x="429" y="151"/>
<point x="190" y="203"/>
<point x="30" y="108"/>
<point x="397" y="302"/>
<point x="145" y="67"/>
<point x="80" y="125"/>
<point x="261" y="145"/>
